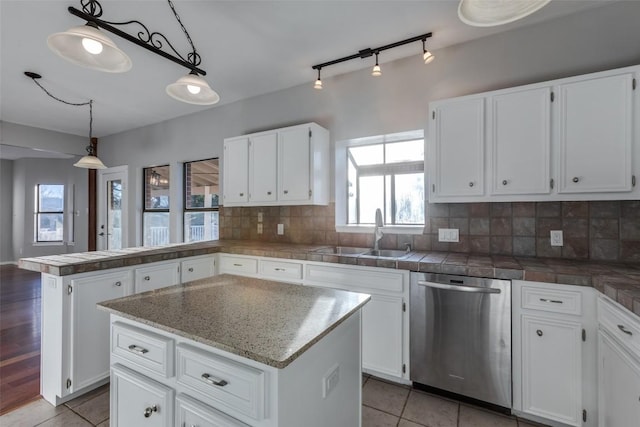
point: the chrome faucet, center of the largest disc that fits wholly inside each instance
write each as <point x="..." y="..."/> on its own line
<point x="377" y="231"/>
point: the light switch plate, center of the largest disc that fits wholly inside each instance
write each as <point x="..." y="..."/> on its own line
<point x="260" y="217"/>
<point x="280" y="229"/>
<point x="448" y="235"/>
<point x="259" y="228"/>
<point x="330" y="380"/>
<point x="556" y="238"/>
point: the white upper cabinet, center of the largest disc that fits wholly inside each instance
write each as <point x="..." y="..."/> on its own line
<point x="595" y="134"/>
<point x="456" y="160"/>
<point x="520" y="142"/>
<point x="288" y="166"/>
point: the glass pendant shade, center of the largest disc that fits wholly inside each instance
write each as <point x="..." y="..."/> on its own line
<point x="193" y="89"/>
<point x="489" y="13"/>
<point x="318" y="84"/>
<point x="428" y="57"/>
<point x="89" y="47"/>
<point x="376" y="71"/>
<point x="90" y="162"/>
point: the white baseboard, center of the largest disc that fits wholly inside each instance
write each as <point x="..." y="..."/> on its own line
<point x="9" y="262"/>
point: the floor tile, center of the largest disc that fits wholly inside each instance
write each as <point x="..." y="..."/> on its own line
<point x="384" y="396"/>
<point x="407" y="423"/>
<point x="430" y="410"/>
<point x="95" y="410"/>
<point x="523" y="423"/>
<point x="374" y="418"/>
<point x="104" y="424"/>
<point x="474" y="417"/>
<point x="86" y="397"/>
<point x="32" y="414"/>
<point x="66" y="419"/>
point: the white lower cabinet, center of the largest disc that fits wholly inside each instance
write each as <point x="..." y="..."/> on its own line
<point x="190" y="412"/>
<point x="618" y="367"/>
<point x="382" y="335"/>
<point x="156" y="276"/>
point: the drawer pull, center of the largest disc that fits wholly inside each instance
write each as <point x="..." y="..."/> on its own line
<point x="625" y="330"/>
<point x="150" y="410"/>
<point x="190" y="269"/>
<point x="214" y="381"/>
<point x="118" y="283"/>
<point x="471" y="184"/>
<point x="576" y="179"/>
<point x="237" y="265"/>
<point x="137" y="349"/>
<point x="539" y="332"/>
<point x="280" y="269"/>
<point x="555" y="301"/>
<point x="504" y="182"/>
<point x="147" y="278"/>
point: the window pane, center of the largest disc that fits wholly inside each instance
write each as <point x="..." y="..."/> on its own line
<point x="371" y="198"/>
<point x="202" y="186"/>
<point x="51" y="198"/>
<point x="352" y="194"/>
<point x="49" y="227"/>
<point x="410" y="198"/>
<point x="200" y="226"/>
<point x="406" y="151"/>
<point x="156" y="188"/>
<point x="155" y="228"/>
<point x="368" y="154"/>
<point x="388" y="211"/>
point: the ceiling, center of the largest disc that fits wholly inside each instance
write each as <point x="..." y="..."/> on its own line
<point x="248" y="48"/>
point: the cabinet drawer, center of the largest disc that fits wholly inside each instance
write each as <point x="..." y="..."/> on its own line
<point x="553" y="300"/>
<point x="191" y="412"/>
<point x="234" y="387"/>
<point x="281" y="269"/>
<point x="238" y="265"/>
<point x="619" y="324"/>
<point x="156" y="276"/>
<point x="352" y="278"/>
<point x="195" y="269"/>
<point x="143" y="348"/>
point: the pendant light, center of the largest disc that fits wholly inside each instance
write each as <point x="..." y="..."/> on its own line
<point x="90" y="161"/>
<point x="427" y="56"/>
<point x="89" y="47"/>
<point x="376" y="72"/>
<point x="318" y="83"/>
<point x="193" y="89"/>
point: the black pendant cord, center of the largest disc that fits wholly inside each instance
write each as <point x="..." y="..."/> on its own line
<point x="193" y="57"/>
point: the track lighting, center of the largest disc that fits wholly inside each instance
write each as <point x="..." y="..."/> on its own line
<point x="427" y="56"/>
<point x="376" y="68"/>
<point x="318" y="83"/>
<point x="88" y="46"/>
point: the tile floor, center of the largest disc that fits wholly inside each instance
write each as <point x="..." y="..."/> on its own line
<point x="383" y="405"/>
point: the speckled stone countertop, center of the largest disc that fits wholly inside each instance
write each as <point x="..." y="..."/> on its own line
<point x="269" y="322"/>
<point x="621" y="282"/>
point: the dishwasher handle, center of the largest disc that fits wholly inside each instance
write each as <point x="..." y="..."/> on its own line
<point x="459" y="288"/>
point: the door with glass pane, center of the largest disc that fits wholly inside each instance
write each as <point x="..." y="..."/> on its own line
<point x="112" y="208"/>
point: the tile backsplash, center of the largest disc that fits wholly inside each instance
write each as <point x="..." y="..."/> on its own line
<point x="603" y="231"/>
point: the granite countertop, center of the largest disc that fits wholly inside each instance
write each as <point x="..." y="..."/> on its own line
<point x="270" y="322"/>
<point x="621" y="282"/>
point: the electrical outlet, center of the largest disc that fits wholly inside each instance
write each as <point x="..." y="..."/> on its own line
<point x="448" y="235"/>
<point x="259" y="218"/>
<point x="330" y="381"/>
<point x="556" y="238"/>
<point x="260" y="228"/>
<point x="280" y="229"/>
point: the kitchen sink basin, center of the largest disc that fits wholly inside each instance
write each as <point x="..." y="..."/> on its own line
<point x="342" y="250"/>
<point x="386" y="253"/>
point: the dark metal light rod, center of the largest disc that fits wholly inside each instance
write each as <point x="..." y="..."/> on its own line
<point x="368" y="52"/>
<point x="100" y="23"/>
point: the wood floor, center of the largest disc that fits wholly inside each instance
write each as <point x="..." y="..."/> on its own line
<point x="19" y="337"/>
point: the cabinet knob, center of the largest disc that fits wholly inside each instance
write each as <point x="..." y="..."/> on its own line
<point x="471" y="184"/>
<point x="241" y="194"/>
<point x="504" y="182"/>
<point x="150" y="410"/>
<point x="147" y="278"/>
<point x="539" y="332"/>
<point x="118" y="283"/>
<point x="268" y="193"/>
<point x="286" y="191"/>
<point x="575" y="179"/>
<point x="190" y="269"/>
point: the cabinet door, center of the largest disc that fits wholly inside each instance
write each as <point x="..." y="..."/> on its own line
<point x="197" y="268"/>
<point x="262" y="168"/>
<point x="618" y="385"/>
<point x="236" y="170"/>
<point x="191" y="412"/>
<point x="156" y="277"/>
<point x="90" y="326"/>
<point x="294" y="167"/>
<point x="520" y="143"/>
<point x="457" y="161"/>
<point x="382" y="335"/>
<point x="595" y="125"/>
<point x="552" y="369"/>
<point x="139" y="401"/>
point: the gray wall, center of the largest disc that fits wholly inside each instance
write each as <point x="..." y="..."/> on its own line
<point x="357" y="105"/>
<point x="48" y="140"/>
<point x="6" y="211"/>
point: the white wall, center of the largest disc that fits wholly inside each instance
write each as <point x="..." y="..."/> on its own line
<point x="6" y="211"/>
<point x="48" y="140"/>
<point x="356" y="104"/>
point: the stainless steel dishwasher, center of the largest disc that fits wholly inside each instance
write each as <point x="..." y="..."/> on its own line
<point x="461" y="336"/>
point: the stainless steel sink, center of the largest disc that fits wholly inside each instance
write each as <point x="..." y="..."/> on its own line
<point x="342" y="250"/>
<point x="386" y="253"/>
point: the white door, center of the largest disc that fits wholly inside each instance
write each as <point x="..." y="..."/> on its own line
<point x="294" y="164"/>
<point x="382" y="335"/>
<point x="262" y="168"/>
<point x="112" y="208"/>
<point x="235" y="171"/>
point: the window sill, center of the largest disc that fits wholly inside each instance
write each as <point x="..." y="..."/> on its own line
<point x="48" y="243"/>
<point x="392" y="229"/>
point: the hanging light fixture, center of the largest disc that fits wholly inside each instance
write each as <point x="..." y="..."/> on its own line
<point x="376" y="72"/>
<point x="89" y="47"/>
<point x="489" y="13"/>
<point x="318" y="83"/>
<point x="91" y="160"/>
<point x="368" y="52"/>
<point x="427" y="56"/>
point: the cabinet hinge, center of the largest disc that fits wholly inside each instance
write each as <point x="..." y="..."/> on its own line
<point x="178" y="269"/>
<point x="433" y="115"/>
<point x="433" y="188"/>
<point x="69" y="289"/>
<point x="310" y="133"/>
<point x="404" y="368"/>
<point x="310" y="193"/>
<point x="68" y="383"/>
<point x="584" y="415"/>
<point x="404" y="306"/>
<point x="553" y="96"/>
<point x="551" y="183"/>
<point x="633" y="84"/>
<point x="584" y="335"/>
<point x="633" y="180"/>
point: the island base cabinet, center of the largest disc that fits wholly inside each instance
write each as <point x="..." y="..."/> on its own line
<point x="190" y="412"/>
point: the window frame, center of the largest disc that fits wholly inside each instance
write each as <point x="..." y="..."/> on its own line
<point x="185" y="208"/>
<point x="37" y="212"/>
<point x="144" y="200"/>
<point x="342" y="182"/>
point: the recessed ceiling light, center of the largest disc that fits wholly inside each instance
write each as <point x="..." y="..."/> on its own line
<point x="489" y="13"/>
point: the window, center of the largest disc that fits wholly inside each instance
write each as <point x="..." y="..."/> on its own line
<point x="49" y="213"/>
<point x="201" y="200"/>
<point x="385" y="172"/>
<point x="155" y="216"/>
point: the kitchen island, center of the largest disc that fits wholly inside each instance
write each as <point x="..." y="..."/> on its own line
<point x="238" y="351"/>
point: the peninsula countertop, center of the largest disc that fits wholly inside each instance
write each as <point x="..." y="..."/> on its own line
<point x="269" y="322"/>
